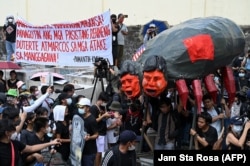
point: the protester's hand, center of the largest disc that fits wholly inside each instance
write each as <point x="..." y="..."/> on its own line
<point x="223" y="102"/>
<point x="56" y="142"/>
<point x="53" y="151"/>
<point x="192" y="132"/>
<point x="38" y="157"/>
<point x="247" y="125"/>
<point x="23" y="116"/>
<point x="118" y="122"/>
<point x="106" y="115"/>
<point x="221" y="116"/>
<point x="87" y="137"/>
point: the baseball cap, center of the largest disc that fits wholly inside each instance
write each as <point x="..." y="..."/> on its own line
<point x="128" y="136"/>
<point x="84" y="101"/>
<point x="12" y="92"/>
<point x="152" y="26"/>
<point x="19" y="84"/>
<point x="113" y="16"/>
<point x="236" y="121"/>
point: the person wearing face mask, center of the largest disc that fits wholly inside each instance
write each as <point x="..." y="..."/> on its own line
<point x="236" y="64"/>
<point x="9" y="33"/>
<point x="90" y="128"/>
<point x="63" y="99"/>
<point x="40" y="136"/>
<point x="11" y="150"/>
<point x="123" y="153"/>
<point x="17" y="118"/>
<point x="236" y="135"/>
<point x="242" y="79"/>
<point x="69" y="89"/>
<point x="61" y="117"/>
<point x="22" y="88"/>
<point x="98" y="110"/>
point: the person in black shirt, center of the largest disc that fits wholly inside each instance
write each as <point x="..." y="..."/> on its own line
<point x="115" y="28"/>
<point x="98" y="110"/>
<point x="9" y="30"/>
<point x="10" y="151"/>
<point x="123" y="154"/>
<point x="91" y="129"/>
<point x="205" y="136"/>
<point x="61" y="117"/>
<point x="2" y="83"/>
<point x="11" y="83"/>
<point x="39" y="136"/>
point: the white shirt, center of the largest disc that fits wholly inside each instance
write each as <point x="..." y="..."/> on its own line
<point x="120" y="36"/>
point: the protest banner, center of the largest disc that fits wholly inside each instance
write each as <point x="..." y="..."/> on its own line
<point x="65" y="44"/>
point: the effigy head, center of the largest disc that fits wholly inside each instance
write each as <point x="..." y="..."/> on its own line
<point x="130" y="79"/>
<point x="154" y="81"/>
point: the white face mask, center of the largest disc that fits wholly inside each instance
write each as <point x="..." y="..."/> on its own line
<point x="48" y="130"/>
<point x="237" y="129"/>
<point x="241" y="74"/>
<point x="132" y="147"/>
<point x="31" y="102"/>
<point x="69" y="101"/>
<point x="81" y="111"/>
<point x="10" y="20"/>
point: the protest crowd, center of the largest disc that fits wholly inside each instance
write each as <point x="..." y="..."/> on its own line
<point x="37" y="129"/>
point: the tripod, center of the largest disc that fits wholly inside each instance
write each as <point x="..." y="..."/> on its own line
<point x="98" y="76"/>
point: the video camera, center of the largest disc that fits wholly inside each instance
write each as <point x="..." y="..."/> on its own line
<point x="102" y="66"/>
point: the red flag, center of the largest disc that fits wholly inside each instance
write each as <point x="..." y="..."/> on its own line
<point x="182" y="92"/>
<point x="196" y="84"/>
<point x="211" y="87"/>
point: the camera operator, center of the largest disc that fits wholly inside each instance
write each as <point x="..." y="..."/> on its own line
<point x="115" y="28"/>
<point x="151" y="33"/>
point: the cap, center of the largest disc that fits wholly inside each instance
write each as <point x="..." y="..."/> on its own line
<point x="152" y="26"/>
<point x="84" y="101"/>
<point x="115" y="106"/>
<point x="19" y="84"/>
<point x="236" y="121"/>
<point x="128" y="136"/>
<point x="12" y="92"/>
<point x="113" y="16"/>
